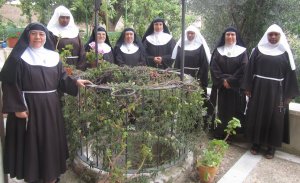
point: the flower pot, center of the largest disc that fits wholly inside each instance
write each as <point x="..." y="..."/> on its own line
<point x="207" y="174"/>
<point x="92" y="64"/>
<point x="12" y="41"/>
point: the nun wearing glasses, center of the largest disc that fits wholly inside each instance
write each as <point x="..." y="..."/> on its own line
<point x="35" y="143"/>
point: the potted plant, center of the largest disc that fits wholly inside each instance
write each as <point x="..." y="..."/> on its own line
<point x="212" y="156"/>
<point x="91" y="58"/>
<point x="13" y="34"/>
<point x="64" y="54"/>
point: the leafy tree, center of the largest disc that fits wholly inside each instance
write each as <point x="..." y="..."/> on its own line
<point x="136" y="14"/>
<point x="2" y="2"/>
<point x="141" y="14"/>
<point x="252" y="18"/>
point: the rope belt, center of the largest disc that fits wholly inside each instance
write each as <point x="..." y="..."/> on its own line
<point x="49" y="91"/>
<point x="192" y="68"/>
<point x="73" y="57"/>
<point x="269" y="78"/>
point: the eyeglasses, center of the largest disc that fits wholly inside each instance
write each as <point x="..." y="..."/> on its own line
<point x="36" y="33"/>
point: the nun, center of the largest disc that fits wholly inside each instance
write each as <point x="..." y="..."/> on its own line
<point x="104" y="46"/>
<point x="227" y="70"/>
<point x="159" y="44"/>
<point x="129" y="49"/>
<point x="197" y="56"/>
<point x="270" y="83"/>
<point x="65" y="32"/>
<point x="35" y="142"/>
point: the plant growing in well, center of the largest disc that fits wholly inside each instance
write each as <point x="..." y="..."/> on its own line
<point x="131" y="114"/>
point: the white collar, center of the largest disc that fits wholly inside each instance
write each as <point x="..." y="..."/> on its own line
<point x="271" y="49"/>
<point x="268" y="49"/>
<point x="159" y="38"/>
<point x="129" y="48"/>
<point x="40" y="56"/>
<point x="231" y="50"/>
<point x="102" y="47"/>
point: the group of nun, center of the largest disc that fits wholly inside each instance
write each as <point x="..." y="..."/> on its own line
<point x="35" y="146"/>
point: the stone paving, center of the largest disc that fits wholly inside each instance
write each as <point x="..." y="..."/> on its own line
<point x="235" y="168"/>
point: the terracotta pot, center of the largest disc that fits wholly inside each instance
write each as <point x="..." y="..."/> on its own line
<point x="207" y="174"/>
<point x="92" y="64"/>
<point x="69" y="70"/>
<point x="12" y="41"/>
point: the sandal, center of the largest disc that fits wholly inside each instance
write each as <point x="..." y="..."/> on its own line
<point x="255" y="149"/>
<point x="270" y="153"/>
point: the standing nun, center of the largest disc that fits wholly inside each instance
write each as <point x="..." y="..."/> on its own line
<point x="35" y="142"/>
<point x="65" y="32"/>
<point x="227" y="70"/>
<point x="197" y="55"/>
<point x="270" y="82"/>
<point x="159" y="44"/>
<point x="104" y="46"/>
<point x="129" y="49"/>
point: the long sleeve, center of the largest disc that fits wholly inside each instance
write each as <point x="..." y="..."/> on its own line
<point x="13" y="100"/>
<point x="216" y="72"/>
<point x="142" y="60"/>
<point x="203" y="70"/>
<point x="149" y="57"/>
<point x="118" y="57"/>
<point x="249" y="72"/>
<point x="81" y="60"/>
<point x="66" y="83"/>
<point x="109" y="57"/>
<point x="235" y="79"/>
<point x="167" y="61"/>
<point x="291" y="88"/>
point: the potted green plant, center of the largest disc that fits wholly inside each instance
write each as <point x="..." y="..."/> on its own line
<point x="64" y="54"/>
<point x="13" y="34"/>
<point x="91" y="58"/>
<point x="212" y="156"/>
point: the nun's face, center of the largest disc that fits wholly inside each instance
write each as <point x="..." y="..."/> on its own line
<point x="101" y="36"/>
<point x="273" y="37"/>
<point x="158" y="26"/>
<point x="190" y="35"/>
<point x="37" y="38"/>
<point x="129" y="37"/>
<point x="230" y="38"/>
<point x="64" y="20"/>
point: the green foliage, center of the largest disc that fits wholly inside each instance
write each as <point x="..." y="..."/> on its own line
<point x="132" y="116"/>
<point x="9" y="30"/>
<point x="2" y="2"/>
<point x="213" y="155"/>
<point x="251" y="18"/>
<point x="92" y="57"/>
<point x="113" y="37"/>
<point x="66" y="52"/>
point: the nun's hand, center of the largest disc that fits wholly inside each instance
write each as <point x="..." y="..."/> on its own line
<point x="82" y="82"/>
<point x="158" y="60"/>
<point x="21" y="114"/>
<point x="248" y="93"/>
<point x="226" y="84"/>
